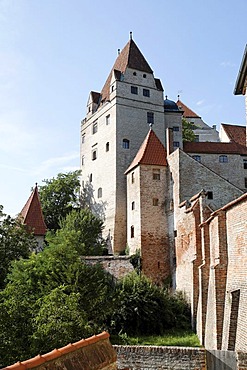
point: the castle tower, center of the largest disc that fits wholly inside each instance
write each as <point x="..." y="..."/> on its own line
<point x="147" y="208"/>
<point x="111" y="134"/>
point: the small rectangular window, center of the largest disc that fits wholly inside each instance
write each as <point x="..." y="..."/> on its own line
<point x="107" y="119"/>
<point x="223" y="159"/>
<point x="146" y="92"/>
<point x="134" y="90"/>
<point x="155" y="202"/>
<point x="94" y="155"/>
<point x="196" y="138"/>
<point x="175" y="128"/>
<point x="126" y="144"/>
<point x="176" y="144"/>
<point x="82" y="160"/>
<point x="133" y="177"/>
<point x="197" y="158"/>
<point x="150" y="117"/>
<point x="245" y="164"/>
<point x="156" y="174"/>
<point x="210" y="195"/>
<point x="95" y="127"/>
<point x="132" y="232"/>
<point x="245" y="182"/>
<point x="83" y="139"/>
<point x="132" y="206"/>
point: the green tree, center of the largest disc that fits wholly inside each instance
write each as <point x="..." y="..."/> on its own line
<point x="188" y="130"/>
<point x="81" y="230"/>
<point x="51" y="299"/>
<point x="15" y="243"/>
<point x="59" y="196"/>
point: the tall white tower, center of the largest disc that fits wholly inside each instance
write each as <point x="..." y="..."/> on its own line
<point x="112" y="132"/>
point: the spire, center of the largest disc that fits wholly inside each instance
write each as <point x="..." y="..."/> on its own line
<point x="129" y="57"/>
<point x="151" y="152"/>
<point x="32" y="214"/>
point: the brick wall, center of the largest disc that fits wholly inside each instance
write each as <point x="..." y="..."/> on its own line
<point x="162" y="358"/>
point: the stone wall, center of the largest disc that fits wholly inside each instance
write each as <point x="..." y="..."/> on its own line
<point x="162" y="358"/>
<point x="118" y="266"/>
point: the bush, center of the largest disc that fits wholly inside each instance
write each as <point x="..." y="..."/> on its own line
<point x="142" y="308"/>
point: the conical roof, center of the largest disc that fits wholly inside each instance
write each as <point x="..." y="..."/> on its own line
<point x="130" y="57"/>
<point x="151" y="152"/>
<point x="32" y="214"/>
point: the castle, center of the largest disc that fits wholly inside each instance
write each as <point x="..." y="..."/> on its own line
<point x="181" y="204"/>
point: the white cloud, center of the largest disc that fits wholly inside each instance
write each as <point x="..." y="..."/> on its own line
<point x="61" y="164"/>
<point x="227" y="63"/>
<point x="200" y="102"/>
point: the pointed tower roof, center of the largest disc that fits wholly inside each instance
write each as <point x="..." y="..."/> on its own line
<point x="32" y="214"/>
<point x="188" y="113"/>
<point x="151" y="152"/>
<point x="130" y="57"/>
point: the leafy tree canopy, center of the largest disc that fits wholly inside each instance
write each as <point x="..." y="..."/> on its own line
<point x="81" y="230"/>
<point x="15" y="243"/>
<point x="59" y="196"/>
<point x="188" y="130"/>
<point x="51" y="299"/>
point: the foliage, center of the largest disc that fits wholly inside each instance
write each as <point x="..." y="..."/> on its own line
<point x="51" y="299"/>
<point x="15" y="243"/>
<point x="188" y="130"/>
<point x="144" y="308"/>
<point x="58" y="197"/>
<point x="81" y="230"/>
<point x="135" y="260"/>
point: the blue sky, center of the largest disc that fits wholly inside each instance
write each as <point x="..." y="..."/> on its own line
<point x="54" y="52"/>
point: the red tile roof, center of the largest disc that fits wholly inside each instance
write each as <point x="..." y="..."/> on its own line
<point x="151" y="152"/>
<point x="32" y="214"/>
<point x="188" y="113"/>
<point x="103" y="353"/>
<point x="214" y="148"/>
<point x="130" y="57"/>
<point x="235" y="133"/>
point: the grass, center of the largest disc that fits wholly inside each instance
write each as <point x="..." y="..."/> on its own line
<point x="170" y="338"/>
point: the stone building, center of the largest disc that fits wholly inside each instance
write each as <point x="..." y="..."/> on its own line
<point x="170" y="200"/>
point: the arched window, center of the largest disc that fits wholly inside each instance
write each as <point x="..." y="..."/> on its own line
<point x="107" y="146"/>
<point x="100" y="193"/>
<point x="133" y="206"/>
<point x="126" y="143"/>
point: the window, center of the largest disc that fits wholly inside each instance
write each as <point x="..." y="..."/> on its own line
<point x="210" y="195"/>
<point x="112" y="88"/>
<point x="90" y="177"/>
<point x="245" y="164"/>
<point x="223" y="159"/>
<point x="245" y="182"/>
<point x="146" y="92"/>
<point x="150" y="117"/>
<point x="94" y="154"/>
<point x="95" y="127"/>
<point x="197" y="158"/>
<point x="176" y="144"/>
<point x="134" y="73"/>
<point x="133" y="177"/>
<point x="132" y="232"/>
<point x="133" y="206"/>
<point x="196" y="138"/>
<point x="175" y="128"/>
<point x="100" y="193"/>
<point x="107" y="119"/>
<point x="155" y="202"/>
<point x="107" y="146"/>
<point x="83" y="139"/>
<point x="126" y="143"/>
<point x="156" y="174"/>
<point x="144" y="76"/>
<point x="134" y="90"/>
<point x="82" y="160"/>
